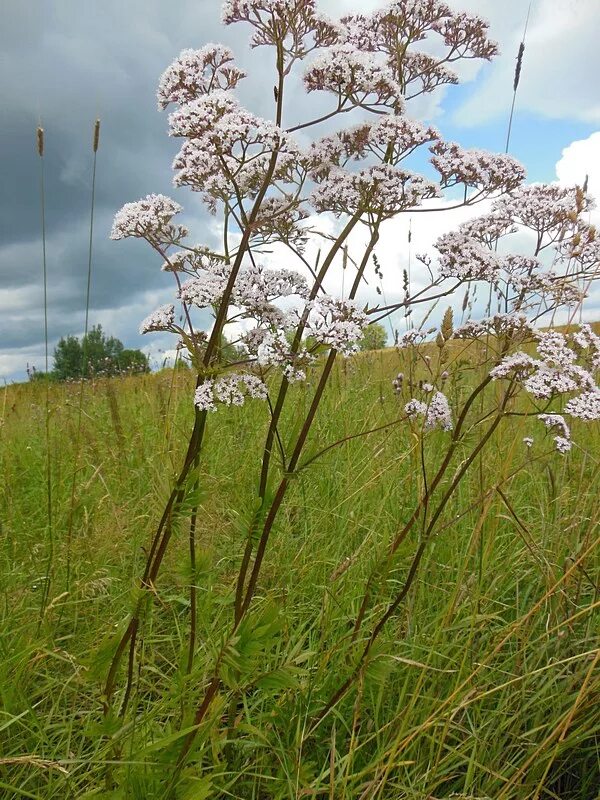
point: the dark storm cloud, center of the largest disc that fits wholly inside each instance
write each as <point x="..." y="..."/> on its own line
<point x="65" y="63"/>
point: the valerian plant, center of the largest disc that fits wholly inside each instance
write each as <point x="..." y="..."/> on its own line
<point x="274" y="189"/>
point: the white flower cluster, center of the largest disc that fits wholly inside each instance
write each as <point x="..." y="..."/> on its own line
<point x="517" y="366"/>
<point x="333" y="323"/>
<point x="205" y="290"/>
<point x="513" y="325"/>
<point x="488" y="228"/>
<point x="352" y="73"/>
<point x="231" y="390"/>
<point x="392" y="138"/>
<point x="150" y="219"/>
<point x="589" y="343"/>
<point x="556" y="373"/>
<point x="585" y="406"/>
<point x="293" y="21"/>
<point x="383" y="190"/>
<point x="426" y="72"/>
<point x="398" y="26"/>
<point x="494" y="171"/>
<point x="557" y="422"/>
<point x="555" y="213"/>
<point x="199" y="116"/>
<point x="160" y="320"/>
<point x="466" y="34"/>
<point x="465" y="258"/>
<point x="338" y="324"/>
<point x="198" y="72"/>
<point x="228" y="148"/>
<point x="527" y="278"/>
<point x="414" y="337"/>
<point x="436" y="412"/>
<point x="543" y="207"/>
<point x="269" y="343"/>
<point x="256" y="287"/>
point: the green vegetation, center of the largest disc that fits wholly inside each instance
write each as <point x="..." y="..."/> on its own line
<point x="374" y="338"/>
<point x="484" y="684"/>
<point x="93" y="354"/>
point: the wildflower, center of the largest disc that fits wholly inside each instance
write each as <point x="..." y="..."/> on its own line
<point x="232" y="389"/>
<point x="339" y="324"/>
<point x="437" y="412"/>
<point x="380" y="189"/>
<point x="414" y="337"/>
<point x="556" y="421"/>
<point x="160" y="320"/>
<point x="204" y="398"/>
<point x="350" y="73"/>
<point x="476" y="167"/>
<point x="465" y="258"/>
<point x="198" y="72"/>
<point x="397" y="382"/>
<point x="585" y="406"/>
<point x="150" y="219"/>
<point x="287" y="21"/>
<point x="517" y="365"/>
<point x="562" y="442"/>
<point x="563" y="445"/>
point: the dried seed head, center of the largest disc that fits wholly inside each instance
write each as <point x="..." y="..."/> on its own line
<point x="439" y="340"/>
<point x="518" y="66"/>
<point x="96" y="135"/>
<point x="447" y="328"/>
<point x="40" y="141"/>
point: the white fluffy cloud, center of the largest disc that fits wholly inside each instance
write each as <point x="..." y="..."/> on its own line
<point x="579" y="159"/>
<point x="560" y="65"/>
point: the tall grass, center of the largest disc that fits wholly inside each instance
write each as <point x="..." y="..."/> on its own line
<point x="84" y="359"/>
<point x="48" y="482"/>
<point x="484" y="684"/>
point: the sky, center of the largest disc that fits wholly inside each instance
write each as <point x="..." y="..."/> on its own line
<point x="63" y="63"/>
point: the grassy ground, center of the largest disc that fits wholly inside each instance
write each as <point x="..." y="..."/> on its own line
<point x="484" y="684"/>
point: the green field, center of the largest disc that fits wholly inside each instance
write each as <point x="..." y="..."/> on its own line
<point x="483" y="684"/>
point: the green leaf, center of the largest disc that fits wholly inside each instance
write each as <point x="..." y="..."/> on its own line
<point x="286" y="677"/>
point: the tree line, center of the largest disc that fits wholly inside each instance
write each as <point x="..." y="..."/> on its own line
<point x="92" y="355"/>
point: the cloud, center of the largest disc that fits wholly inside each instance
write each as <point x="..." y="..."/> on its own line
<point x="581" y="159"/>
<point x="66" y="63"/>
<point x="560" y="64"/>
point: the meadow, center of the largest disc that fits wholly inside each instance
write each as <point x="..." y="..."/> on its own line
<point x="292" y="569"/>
<point x="483" y="683"/>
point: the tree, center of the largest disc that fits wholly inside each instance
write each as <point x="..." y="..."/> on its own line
<point x="95" y="354"/>
<point x="374" y="337"/>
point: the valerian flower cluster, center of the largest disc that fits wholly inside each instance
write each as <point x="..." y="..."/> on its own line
<point x="564" y="373"/>
<point x="271" y="185"/>
<point x="293" y="194"/>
